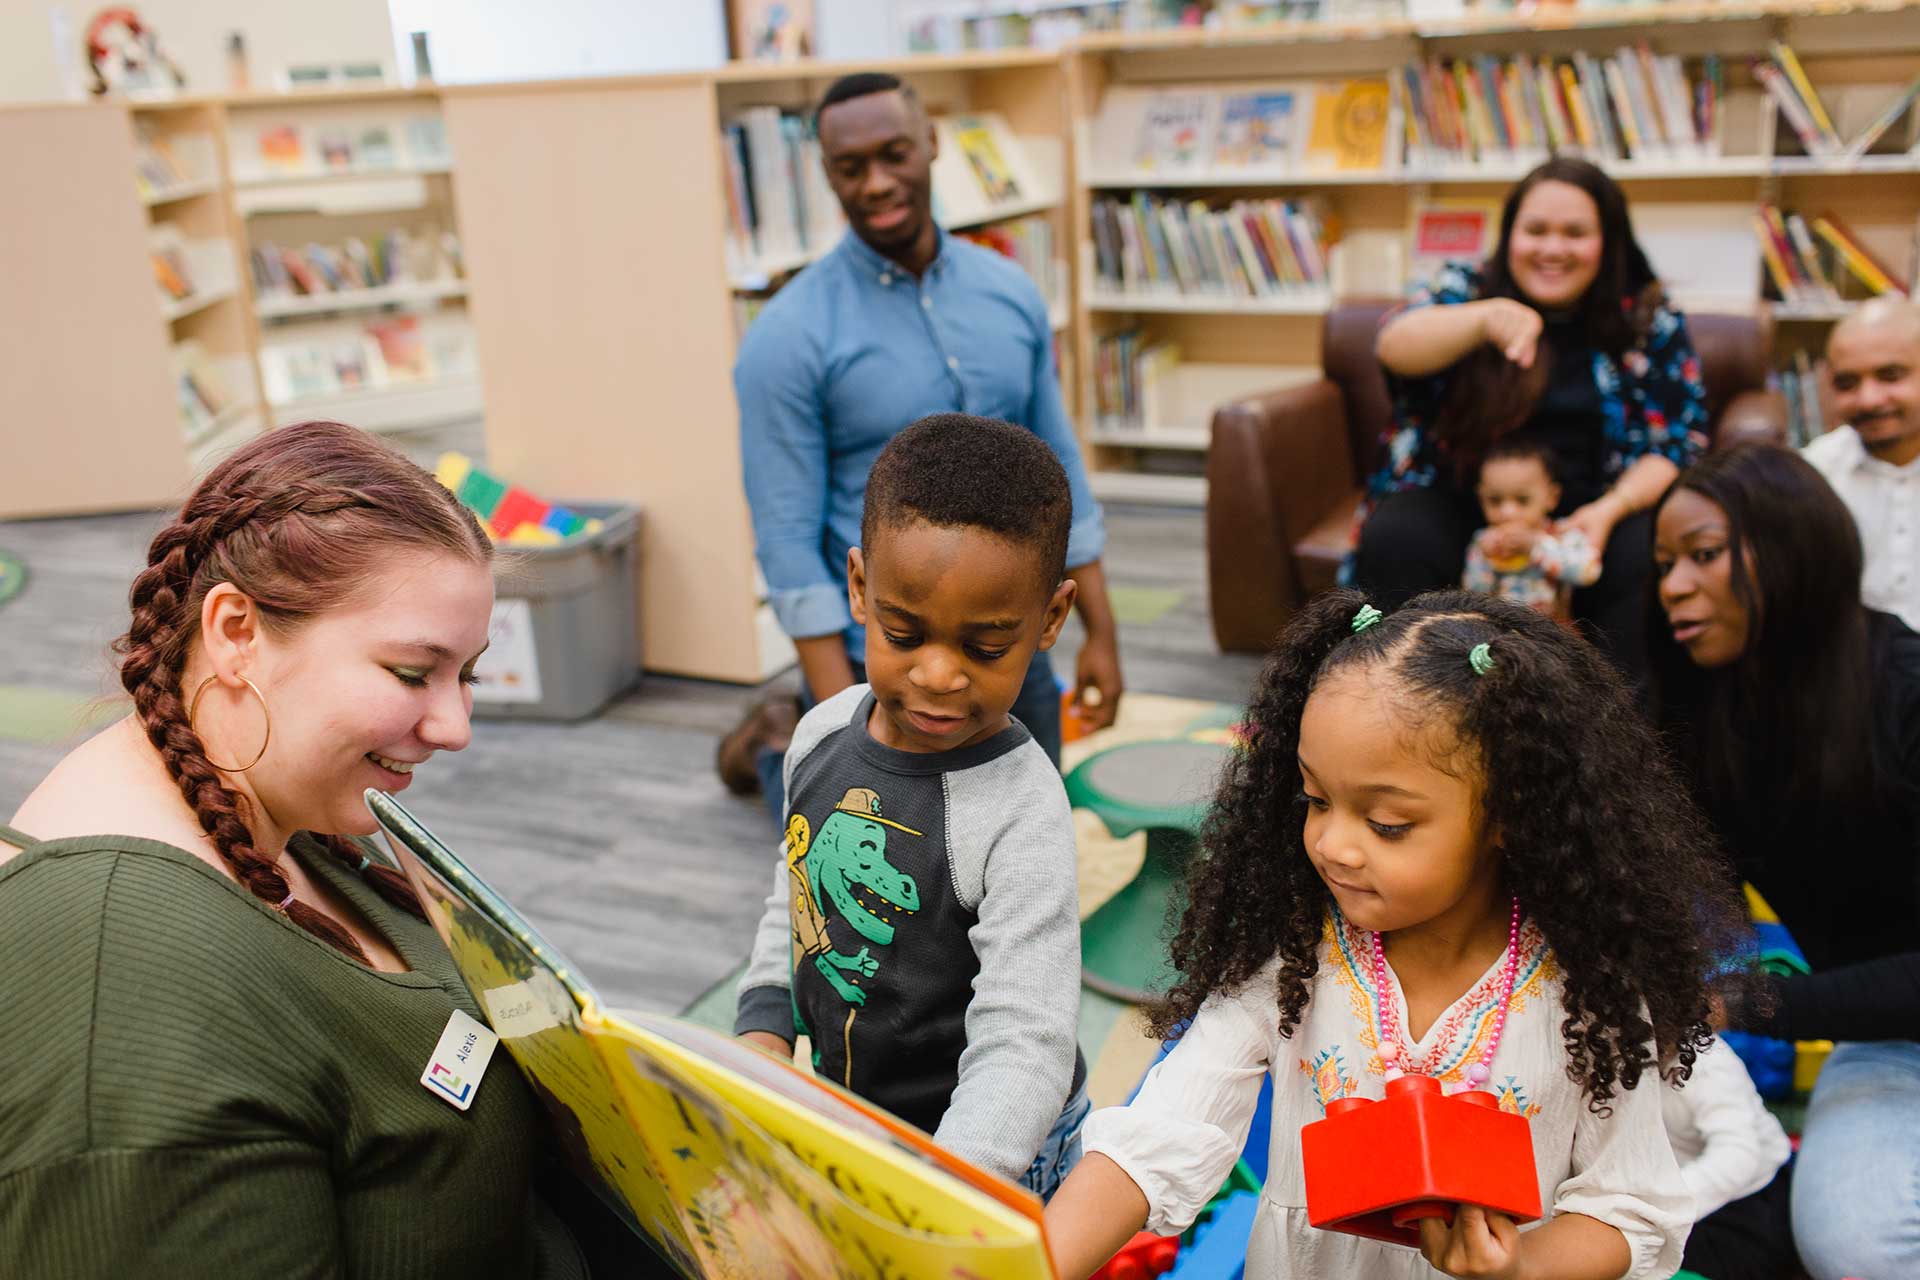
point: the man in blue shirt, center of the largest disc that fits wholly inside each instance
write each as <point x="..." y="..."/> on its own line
<point x="898" y="321"/>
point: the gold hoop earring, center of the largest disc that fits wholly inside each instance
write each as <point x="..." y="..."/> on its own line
<point x="194" y="707"/>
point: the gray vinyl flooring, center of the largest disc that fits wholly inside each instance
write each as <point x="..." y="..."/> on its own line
<point x="613" y="836"/>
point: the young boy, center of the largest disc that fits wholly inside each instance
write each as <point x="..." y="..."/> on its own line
<point x="1518" y="556"/>
<point x="924" y="930"/>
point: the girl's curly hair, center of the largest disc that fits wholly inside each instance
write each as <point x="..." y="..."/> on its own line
<point x="1600" y="840"/>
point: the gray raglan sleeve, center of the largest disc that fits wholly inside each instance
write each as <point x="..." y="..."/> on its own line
<point x="765" y="1002"/>
<point x="1011" y="836"/>
<point x="764" y="999"/>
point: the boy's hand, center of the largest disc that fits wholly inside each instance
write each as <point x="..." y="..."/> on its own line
<point x="1480" y="1245"/>
<point x="1507" y="541"/>
<point x="769" y="1042"/>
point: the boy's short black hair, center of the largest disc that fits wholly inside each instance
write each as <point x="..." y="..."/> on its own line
<point x="955" y="470"/>
<point x="859" y="85"/>
<point x="1523" y="451"/>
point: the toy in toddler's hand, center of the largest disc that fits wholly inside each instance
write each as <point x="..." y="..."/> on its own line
<point x="1376" y="1168"/>
<point x="1520" y="556"/>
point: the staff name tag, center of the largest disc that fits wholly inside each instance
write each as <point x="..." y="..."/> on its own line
<point x="459" y="1060"/>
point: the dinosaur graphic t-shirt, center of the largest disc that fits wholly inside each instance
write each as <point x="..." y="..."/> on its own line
<point x="924" y="931"/>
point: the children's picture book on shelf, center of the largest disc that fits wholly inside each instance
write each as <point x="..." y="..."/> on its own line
<point x="1448" y="229"/>
<point x="1174" y="133"/>
<point x="283" y="148"/>
<point x="976" y="141"/>
<point x="336" y="150"/>
<point x="1257" y="129"/>
<point x="724" y="1159"/>
<point x="1350" y="125"/>
<point x="427" y="140"/>
<point x="374" y="147"/>
<point x="172" y="271"/>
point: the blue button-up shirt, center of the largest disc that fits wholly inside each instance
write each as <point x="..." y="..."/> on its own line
<point x="853" y="350"/>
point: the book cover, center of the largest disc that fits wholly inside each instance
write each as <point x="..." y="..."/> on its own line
<point x="282" y="148"/>
<point x="1453" y="230"/>
<point x="401" y="349"/>
<point x="1257" y="129"/>
<point x="724" y="1159"/>
<point x="982" y="151"/>
<point x="1350" y="125"/>
<point x="1173" y="133"/>
<point x="375" y="147"/>
<point x="1809" y="256"/>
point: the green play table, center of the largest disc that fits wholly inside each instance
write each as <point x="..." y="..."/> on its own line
<point x="1163" y="788"/>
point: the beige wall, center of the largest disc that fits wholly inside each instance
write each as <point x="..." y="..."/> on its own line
<point x="194" y="33"/>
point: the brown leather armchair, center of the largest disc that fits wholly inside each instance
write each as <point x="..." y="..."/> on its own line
<point x="1284" y="469"/>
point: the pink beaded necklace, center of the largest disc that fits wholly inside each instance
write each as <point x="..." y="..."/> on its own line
<point x="1394" y="1053"/>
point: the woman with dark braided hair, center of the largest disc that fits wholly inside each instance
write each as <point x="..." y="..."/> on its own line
<point x="218" y="1005"/>
<point x="1450" y="848"/>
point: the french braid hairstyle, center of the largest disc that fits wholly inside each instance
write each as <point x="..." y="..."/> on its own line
<point x="296" y="519"/>
<point x="1599" y="838"/>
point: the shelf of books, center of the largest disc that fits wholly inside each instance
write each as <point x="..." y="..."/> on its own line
<point x="1233" y="186"/>
<point x="181" y="178"/>
<point x="354" y="264"/>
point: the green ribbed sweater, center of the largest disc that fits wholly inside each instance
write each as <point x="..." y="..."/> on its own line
<point x="191" y="1085"/>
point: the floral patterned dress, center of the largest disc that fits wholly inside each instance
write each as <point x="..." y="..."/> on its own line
<point x="1652" y="401"/>
<point x="1180" y="1136"/>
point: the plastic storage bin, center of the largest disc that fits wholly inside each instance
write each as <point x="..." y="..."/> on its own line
<point x="565" y="623"/>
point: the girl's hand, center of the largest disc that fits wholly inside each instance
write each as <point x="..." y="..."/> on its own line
<point x="1514" y="327"/>
<point x="1480" y="1245"/>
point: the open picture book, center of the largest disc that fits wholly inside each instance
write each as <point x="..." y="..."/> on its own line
<point x="728" y="1161"/>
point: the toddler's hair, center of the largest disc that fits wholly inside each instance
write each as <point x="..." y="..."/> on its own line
<point x="1522" y="451"/>
<point x="1599" y="839"/>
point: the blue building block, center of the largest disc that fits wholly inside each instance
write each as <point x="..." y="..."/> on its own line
<point x="1219" y="1251"/>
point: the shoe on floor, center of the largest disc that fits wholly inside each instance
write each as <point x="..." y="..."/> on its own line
<point x="769" y="725"/>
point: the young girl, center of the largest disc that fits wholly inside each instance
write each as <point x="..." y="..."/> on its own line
<point x="1449" y="848"/>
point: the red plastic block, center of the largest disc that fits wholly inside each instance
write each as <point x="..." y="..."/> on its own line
<point x="1375" y="1168"/>
<point x="517" y="507"/>
<point x="1141" y="1257"/>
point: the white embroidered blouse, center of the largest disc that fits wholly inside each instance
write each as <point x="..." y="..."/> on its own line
<point x="1180" y="1136"/>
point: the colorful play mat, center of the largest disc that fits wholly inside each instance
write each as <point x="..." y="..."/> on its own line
<point x="13" y="576"/>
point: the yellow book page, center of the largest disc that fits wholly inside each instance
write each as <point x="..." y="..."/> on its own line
<point x="882" y="1207"/>
<point x="1350" y="125"/>
<point x="538" y="1024"/>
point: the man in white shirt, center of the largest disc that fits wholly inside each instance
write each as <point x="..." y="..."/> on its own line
<point x="1873" y="460"/>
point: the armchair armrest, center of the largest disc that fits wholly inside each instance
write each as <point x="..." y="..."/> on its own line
<point x="1277" y="465"/>
<point x="1752" y="416"/>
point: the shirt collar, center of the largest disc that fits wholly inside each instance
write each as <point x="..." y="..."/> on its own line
<point x="1859" y="459"/>
<point x="885" y="270"/>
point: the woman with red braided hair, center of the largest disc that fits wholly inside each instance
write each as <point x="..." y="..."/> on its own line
<point x="218" y="1005"/>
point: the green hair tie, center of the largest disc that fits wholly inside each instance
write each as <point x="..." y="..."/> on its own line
<point x="1367" y="616"/>
<point x="1481" y="658"/>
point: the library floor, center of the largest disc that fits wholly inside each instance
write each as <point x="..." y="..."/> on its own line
<point x="614" y="835"/>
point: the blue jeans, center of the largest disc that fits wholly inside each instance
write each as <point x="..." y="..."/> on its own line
<point x="1061" y="1150"/>
<point x="1037" y="707"/>
<point x="1856" y="1187"/>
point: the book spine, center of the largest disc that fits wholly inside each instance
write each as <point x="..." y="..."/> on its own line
<point x="1770" y="255"/>
<point x="1854" y="254"/>
<point x="1790" y="63"/>
<point x="1809" y="257"/>
<point x="1884" y="121"/>
<point x="1623" y="111"/>
<point x="1643" y="84"/>
<point x="1811" y="139"/>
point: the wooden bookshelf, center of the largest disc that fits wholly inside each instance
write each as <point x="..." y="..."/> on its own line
<point x="591" y="218"/>
<point x="606" y="313"/>
<point x="1841" y="45"/>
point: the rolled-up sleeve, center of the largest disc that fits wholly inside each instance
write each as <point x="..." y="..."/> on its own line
<point x="784" y="460"/>
<point x="1047" y="418"/>
<point x="1182" y="1132"/>
<point x="1624" y="1174"/>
